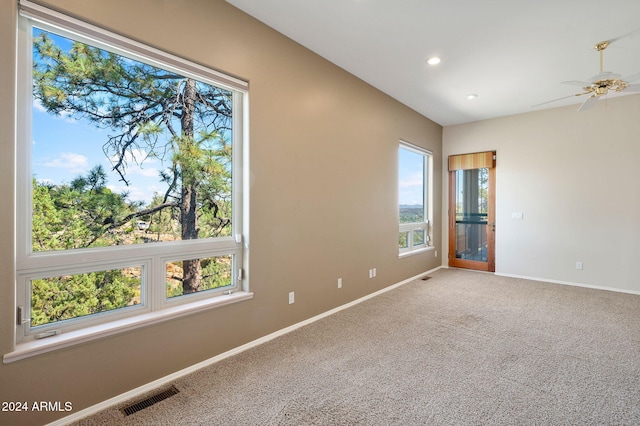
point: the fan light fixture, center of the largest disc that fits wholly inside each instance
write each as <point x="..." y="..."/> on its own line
<point x="601" y="84"/>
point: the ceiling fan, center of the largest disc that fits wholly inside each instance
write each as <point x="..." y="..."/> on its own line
<point x="602" y="83"/>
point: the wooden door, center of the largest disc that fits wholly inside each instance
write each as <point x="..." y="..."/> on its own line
<point x="472" y="223"/>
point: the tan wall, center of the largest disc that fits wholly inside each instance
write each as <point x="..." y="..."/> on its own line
<point x="323" y="157"/>
<point x="574" y="176"/>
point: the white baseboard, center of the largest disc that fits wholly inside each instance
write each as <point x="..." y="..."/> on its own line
<point x="574" y="284"/>
<point x="552" y="281"/>
<point x="178" y="374"/>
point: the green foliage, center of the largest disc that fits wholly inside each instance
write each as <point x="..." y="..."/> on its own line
<point x="168" y="117"/>
<point x="60" y="298"/>
<point x="71" y="216"/>
<point x="403" y="240"/>
<point x="411" y="214"/>
<point x="78" y="215"/>
<point x="47" y="222"/>
<point x="216" y="273"/>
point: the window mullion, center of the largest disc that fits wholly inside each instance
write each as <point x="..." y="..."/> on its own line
<point x="24" y="135"/>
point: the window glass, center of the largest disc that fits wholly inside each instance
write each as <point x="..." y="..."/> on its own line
<point x="214" y="272"/>
<point x="411" y="186"/>
<point x="403" y="241"/>
<point x="71" y="296"/>
<point x="413" y="193"/>
<point x="124" y="152"/>
<point x="130" y="157"/>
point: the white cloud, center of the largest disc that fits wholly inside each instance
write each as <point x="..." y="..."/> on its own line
<point x="134" y="158"/>
<point x="412" y="181"/>
<point x="65" y="115"/>
<point x="148" y="172"/>
<point x="37" y="105"/>
<point x="411" y="189"/>
<point x="73" y="162"/>
<point x="137" y="155"/>
<point x="136" y="193"/>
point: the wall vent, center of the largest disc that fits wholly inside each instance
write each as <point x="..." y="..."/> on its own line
<point x="148" y="402"/>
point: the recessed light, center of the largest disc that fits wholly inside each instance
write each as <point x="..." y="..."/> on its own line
<point x="433" y="61"/>
<point x="471" y="96"/>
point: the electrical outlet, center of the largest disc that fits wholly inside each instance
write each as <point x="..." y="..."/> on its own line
<point x="436" y="252"/>
<point x="339" y="282"/>
<point x="292" y="297"/>
<point x="579" y="266"/>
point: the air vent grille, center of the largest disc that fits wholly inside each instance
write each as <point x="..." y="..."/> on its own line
<point x="148" y="402"/>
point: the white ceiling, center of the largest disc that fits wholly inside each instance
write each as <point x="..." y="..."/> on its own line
<point x="512" y="53"/>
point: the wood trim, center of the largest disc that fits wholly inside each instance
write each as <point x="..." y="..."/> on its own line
<point x="477" y="160"/>
<point x="452" y="218"/>
<point x="490" y="265"/>
<point x="491" y="222"/>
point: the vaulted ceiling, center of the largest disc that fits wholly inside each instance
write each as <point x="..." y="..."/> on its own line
<point x="512" y="54"/>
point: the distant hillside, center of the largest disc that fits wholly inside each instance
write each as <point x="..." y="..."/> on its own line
<point x="411" y="213"/>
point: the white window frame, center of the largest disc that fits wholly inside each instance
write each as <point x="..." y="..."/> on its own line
<point x="154" y="306"/>
<point x="410" y="228"/>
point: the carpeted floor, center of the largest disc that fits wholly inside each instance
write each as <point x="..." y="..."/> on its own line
<point x="460" y="348"/>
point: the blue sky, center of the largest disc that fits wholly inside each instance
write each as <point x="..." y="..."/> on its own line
<point x="64" y="148"/>
<point x="411" y="175"/>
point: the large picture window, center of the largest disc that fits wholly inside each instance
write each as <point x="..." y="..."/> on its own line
<point x="130" y="196"/>
<point x="414" y="166"/>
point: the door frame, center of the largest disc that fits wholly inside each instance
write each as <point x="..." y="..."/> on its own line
<point x="490" y="264"/>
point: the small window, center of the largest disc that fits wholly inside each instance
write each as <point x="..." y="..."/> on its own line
<point x="129" y="190"/>
<point x="75" y="295"/>
<point x="213" y="273"/>
<point x="414" y="167"/>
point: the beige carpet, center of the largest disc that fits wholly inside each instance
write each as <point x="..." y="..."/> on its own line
<point x="461" y="348"/>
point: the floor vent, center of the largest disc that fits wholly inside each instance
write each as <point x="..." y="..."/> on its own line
<point x="148" y="402"/>
<point x="426" y="278"/>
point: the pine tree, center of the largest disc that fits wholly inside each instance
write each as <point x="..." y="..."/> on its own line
<point x="147" y="109"/>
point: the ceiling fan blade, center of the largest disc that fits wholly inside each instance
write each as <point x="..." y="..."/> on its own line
<point x="632" y="88"/>
<point x="632" y="78"/>
<point x="604" y="75"/>
<point x="577" y="83"/>
<point x="559" y="99"/>
<point x="588" y="103"/>
<point x="624" y="35"/>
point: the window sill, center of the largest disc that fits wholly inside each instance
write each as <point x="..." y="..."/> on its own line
<point x="37" y="347"/>
<point x="417" y="251"/>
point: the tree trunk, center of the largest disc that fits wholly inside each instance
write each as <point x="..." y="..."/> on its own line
<point x="192" y="271"/>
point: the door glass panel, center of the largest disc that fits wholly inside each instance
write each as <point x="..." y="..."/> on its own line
<point x="472" y="190"/>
